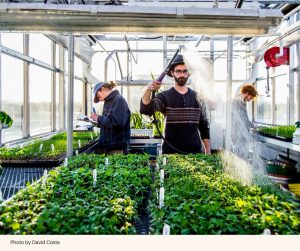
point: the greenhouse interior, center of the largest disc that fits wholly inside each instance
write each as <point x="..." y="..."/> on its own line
<point x="203" y="155"/>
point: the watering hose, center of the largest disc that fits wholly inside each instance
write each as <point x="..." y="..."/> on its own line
<point x="155" y="121"/>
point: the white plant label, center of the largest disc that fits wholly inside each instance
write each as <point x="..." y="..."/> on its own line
<point x="166" y="229"/>
<point x="76" y="152"/>
<point x="44" y="177"/>
<point x="41" y="147"/>
<point x="91" y="136"/>
<point x="161" y="197"/>
<point x="162" y="175"/>
<point x="106" y="161"/>
<point x="164" y="161"/>
<point x="52" y="147"/>
<point x="79" y="143"/>
<point x="159" y="152"/>
<point x="66" y="161"/>
<point x="94" y="177"/>
<point x="1" y="197"/>
<point x="157" y="167"/>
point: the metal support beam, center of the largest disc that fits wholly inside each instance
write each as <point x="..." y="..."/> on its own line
<point x="53" y="87"/>
<point x="26" y="101"/>
<point x="27" y="58"/>
<point x="62" y="90"/>
<point x="165" y="55"/>
<point x="70" y="101"/>
<point x="106" y="65"/>
<point x="229" y="93"/>
<point x="99" y="19"/>
<point x="0" y="89"/>
<point x="297" y="85"/>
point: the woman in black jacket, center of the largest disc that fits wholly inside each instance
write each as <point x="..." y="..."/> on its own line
<point x="114" y="122"/>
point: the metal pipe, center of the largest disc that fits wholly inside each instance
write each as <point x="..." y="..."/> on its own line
<point x="62" y="89"/>
<point x="26" y="106"/>
<point x="70" y="102"/>
<point x="297" y="85"/>
<point x="53" y="87"/>
<point x="295" y="27"/>
<point x="106" y="63"/>
<point x="228" y="93"/>
<point x="199" y="40"/>
<point x="0" y="91"/>
<point x="93" y="19"/>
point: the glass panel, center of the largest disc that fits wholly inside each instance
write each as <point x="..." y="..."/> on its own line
<point x="40" y="48"/>
<point x="57" y="101"/>
<point x="78" y="92"/>
<point x="13" y="41"/>
<point x="78" y="67"/>
<point x="12" y="95"/>
<point x="281" y="98"/>
<point x="264" y="104"/>
<point x="40" y="100"/>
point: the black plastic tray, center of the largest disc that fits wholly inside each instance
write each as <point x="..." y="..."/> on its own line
<point x="42" y="162"/>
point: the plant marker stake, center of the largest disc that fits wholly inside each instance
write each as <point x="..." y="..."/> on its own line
<point x="44" y="177"/>
<point x="267" y="232"/>
<point x="159" y="152"/>
<point x="161" y="197"/>
<point x="76" y="152"/>
<point x="106" y="161"/>
<point x="166" y="229"/>
<point x="52" y="147"/>
<point x="162" y="175"/>
<point x="92" y="136"/>
<point x="157" y="167"/>
<point x="66" y="161"/>
<point x="164" y="161"/>
<point x="41" y="147"/>
<point x="94" y="177"/>
<point x="157" y="196"/>
<point x="1" y="197"/>
<point x="79" y="143"/>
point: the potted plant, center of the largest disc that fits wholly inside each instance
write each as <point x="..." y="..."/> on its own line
<point x="5" y="120"/>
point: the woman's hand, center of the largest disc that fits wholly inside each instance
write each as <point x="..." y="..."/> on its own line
<point x="94" y="117"/>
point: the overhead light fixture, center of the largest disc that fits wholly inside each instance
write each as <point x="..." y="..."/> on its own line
<point x="95" y="19"/>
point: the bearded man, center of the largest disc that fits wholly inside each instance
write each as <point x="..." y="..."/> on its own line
<point x="187" y="125"/>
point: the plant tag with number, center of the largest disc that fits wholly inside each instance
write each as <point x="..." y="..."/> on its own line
<point x="66" y="161"/>
<point x="41" y="147"/>
<point x="162" y="175"/>
<point x="79" y="143"/>
<point x="52" y="147"/>
<point x="44" y="177"/>
<point x="161" y="197"/>
<point x="94" y="177"/>
<point x="76" y="152"/>
<point x="164" y="161"/>
<point x="106" y="161"/>
<point x="166" y="229"/>
<point x="157" y="167"/>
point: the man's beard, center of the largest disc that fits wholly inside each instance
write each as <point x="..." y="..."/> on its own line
<point x="181" y="80"/>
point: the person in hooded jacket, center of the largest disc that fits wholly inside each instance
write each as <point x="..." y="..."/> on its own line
<point x="185" y="112"/>
<point x="114" y="122"/>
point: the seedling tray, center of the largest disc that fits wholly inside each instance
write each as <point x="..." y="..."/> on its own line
<point x="44" y="162"/>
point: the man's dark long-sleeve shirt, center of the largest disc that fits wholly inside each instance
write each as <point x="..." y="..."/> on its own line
<point x="185" y="117"/>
